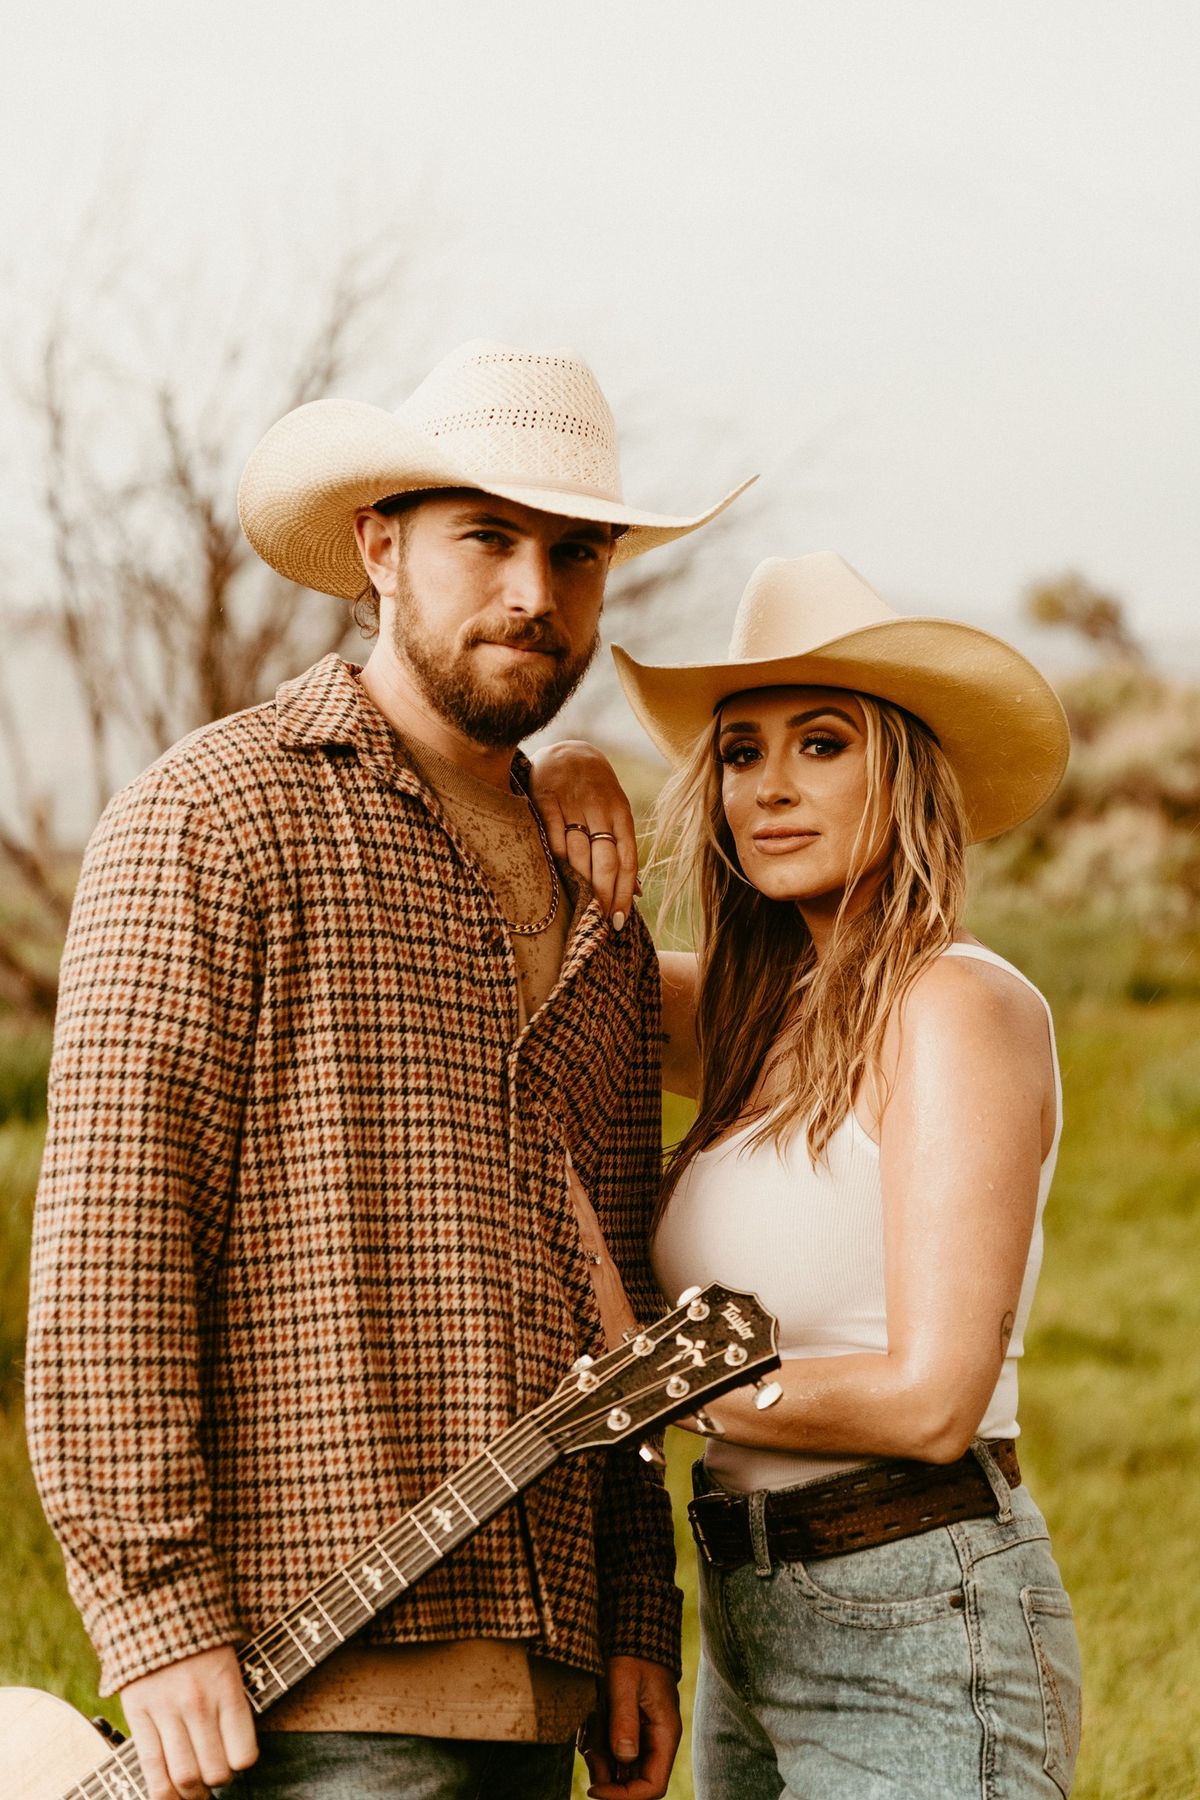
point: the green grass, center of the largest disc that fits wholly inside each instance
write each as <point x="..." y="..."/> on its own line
<point x="24" y="1066"/>
<point x="1109" y="1406"/>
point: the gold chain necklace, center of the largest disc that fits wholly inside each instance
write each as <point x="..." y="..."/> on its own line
<point x="548" y="918"/>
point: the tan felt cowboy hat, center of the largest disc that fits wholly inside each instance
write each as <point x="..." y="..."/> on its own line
<point x="814" y="622"/>
<point x="526" y="425"/>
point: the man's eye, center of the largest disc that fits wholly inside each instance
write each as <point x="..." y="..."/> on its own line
<point x="484" y="536"/>
<point x="579" y="553"/>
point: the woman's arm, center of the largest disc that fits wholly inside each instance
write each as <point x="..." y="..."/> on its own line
<point x="963" y="1135"/>
<point x="679" y="970"/>
<point x="574" y="784"/>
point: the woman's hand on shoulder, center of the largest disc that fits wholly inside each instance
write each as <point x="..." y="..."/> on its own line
<point x="588" y="821"/>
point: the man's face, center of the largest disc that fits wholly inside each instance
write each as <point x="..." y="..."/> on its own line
<point x="495" y="610"/>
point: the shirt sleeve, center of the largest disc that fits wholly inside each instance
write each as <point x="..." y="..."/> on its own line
<point x="640" y="1606"/>
<point x="157" y="1012"/>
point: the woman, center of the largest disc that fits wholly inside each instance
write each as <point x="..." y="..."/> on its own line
<point x="879" y="1111"/>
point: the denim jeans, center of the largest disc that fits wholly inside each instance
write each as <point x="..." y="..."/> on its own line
<point x="364" y="1765"/>
<point x="940" y="1667"/>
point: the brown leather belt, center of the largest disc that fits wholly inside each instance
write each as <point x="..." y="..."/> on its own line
<point x="872" y="1505"/>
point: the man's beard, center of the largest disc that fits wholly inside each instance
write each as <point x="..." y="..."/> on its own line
<point x="511" y="705"/>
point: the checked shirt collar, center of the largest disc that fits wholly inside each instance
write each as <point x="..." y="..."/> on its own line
<point x="326" y="706"/>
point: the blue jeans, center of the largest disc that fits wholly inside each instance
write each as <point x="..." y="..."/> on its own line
<point x="365" y="1765"/>
<point x="940" y="1667"/>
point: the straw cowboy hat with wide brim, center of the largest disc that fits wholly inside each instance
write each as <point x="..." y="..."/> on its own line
<point x="525" y="425"/>
<point x="814" y="622"/>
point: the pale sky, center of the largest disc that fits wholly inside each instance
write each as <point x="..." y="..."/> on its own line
<point x="932" y="266"/>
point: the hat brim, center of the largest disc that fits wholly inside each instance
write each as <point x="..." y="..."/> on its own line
<point x="325" y="461"/>
<point x="999" y="721"/>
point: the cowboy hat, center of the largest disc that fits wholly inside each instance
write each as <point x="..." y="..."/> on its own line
<point x="814" y="622"/>
<point x="526" y="425"/>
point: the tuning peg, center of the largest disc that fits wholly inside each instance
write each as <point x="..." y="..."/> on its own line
<point x="580" y="1363"/>
<point x="652" y="1454"/>
<point x="708" y="1424"/>
<point x="766" y="1393"/>
<point x="688" y="1295"/>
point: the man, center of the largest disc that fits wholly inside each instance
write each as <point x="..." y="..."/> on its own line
<point x="346" y="1112"/>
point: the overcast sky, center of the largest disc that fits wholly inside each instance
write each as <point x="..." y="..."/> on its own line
<point x="932" y="266"/>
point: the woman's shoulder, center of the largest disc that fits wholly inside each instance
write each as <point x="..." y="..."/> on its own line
<point x="969" y="988"/>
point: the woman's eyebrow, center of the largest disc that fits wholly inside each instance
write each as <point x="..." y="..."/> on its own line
<point x="801" y="718"/>
<point x="821" y="712"/>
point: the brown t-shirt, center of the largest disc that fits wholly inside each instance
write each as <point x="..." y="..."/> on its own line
<point x="482" y="1688"/>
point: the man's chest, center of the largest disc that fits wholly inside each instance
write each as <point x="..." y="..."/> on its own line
<point x="388" y="962"/>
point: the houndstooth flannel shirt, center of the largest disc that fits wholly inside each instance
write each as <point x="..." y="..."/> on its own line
<point x="303" y="1242"/>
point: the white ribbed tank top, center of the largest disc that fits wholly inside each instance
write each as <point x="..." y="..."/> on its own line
<point x="809" y="1243"/>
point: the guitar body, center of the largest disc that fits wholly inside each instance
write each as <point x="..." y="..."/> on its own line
<point x="46" y="1747"/>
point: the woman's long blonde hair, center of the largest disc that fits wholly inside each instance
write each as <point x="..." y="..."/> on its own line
<point x="762" y="990"/>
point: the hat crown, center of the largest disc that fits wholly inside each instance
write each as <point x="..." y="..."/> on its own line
<point x="794" y="604"/>
<point x="524" y="417"/>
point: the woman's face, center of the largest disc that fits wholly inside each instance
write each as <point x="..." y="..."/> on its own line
<point x="794" y="788"/>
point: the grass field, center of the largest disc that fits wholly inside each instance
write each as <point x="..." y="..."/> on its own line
<point x="1110" y="1407"/>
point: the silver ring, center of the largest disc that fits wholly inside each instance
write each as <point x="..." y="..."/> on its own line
<point x="575" y="826"/>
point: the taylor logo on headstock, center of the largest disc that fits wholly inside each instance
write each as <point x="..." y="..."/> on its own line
<point x="735" y="1321"/>
<point x="664" y="1371"/>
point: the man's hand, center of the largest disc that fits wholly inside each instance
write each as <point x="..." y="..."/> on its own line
<point x="630" y="1745"/>
<point x="192" y="1725"/>
<point x="588" y="821"/>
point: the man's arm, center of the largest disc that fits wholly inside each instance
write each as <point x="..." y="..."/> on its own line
<point x="640" y="1606"/>
<point x="152" y="1048"/>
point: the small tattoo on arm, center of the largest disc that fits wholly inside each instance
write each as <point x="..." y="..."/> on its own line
<point x="1006" y="1331"/>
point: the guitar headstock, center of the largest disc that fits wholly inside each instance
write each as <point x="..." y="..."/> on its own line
<point x="716" y="1339"/>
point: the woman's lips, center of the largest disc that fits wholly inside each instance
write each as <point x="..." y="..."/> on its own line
<point x="782" y="843"/>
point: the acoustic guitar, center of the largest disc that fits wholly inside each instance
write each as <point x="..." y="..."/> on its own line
<point x="715" y="1339"/>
